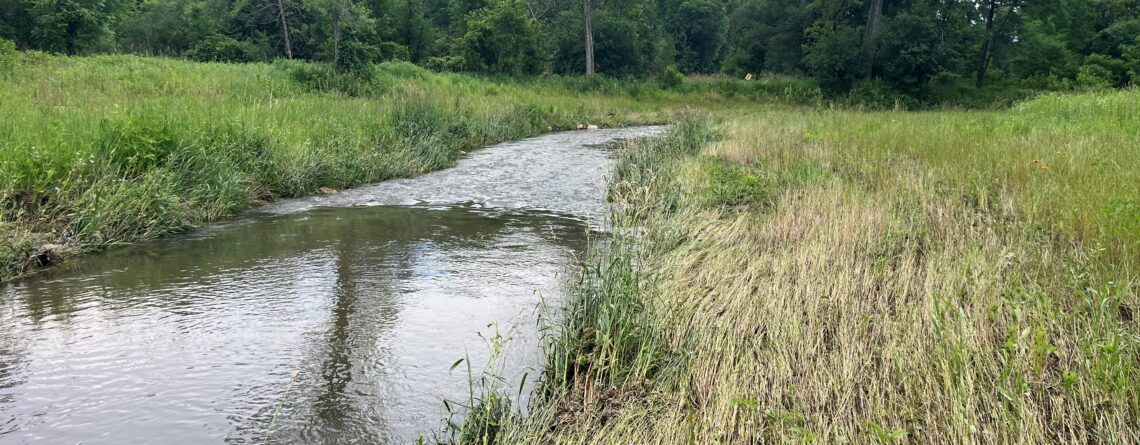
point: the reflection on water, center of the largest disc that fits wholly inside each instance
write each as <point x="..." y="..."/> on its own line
<point x="197" y="339"/>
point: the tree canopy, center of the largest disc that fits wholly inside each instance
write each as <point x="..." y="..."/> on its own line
<point x="919" y="48"/>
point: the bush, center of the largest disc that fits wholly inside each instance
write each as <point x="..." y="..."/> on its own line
<point x="362" y="82"/>
<point x="953" y="90"/>
<point x="672" y="78"/>
<point x="499" y="40"/>
<point x="737" y="185"/>
<point x="9" y="56"/>
<point x="1094" y="78"/>
<point x="1100" y="71"/>
<point x="803" y="93"/>
<point x="356" y="58"/>
<point x="402" y="70"/>
<point x="1132" y="61"/>
<point x="219" y="48"/>
<point x="876" y="95"/>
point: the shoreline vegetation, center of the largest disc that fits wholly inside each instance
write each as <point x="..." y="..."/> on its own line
<point x="108" y="150"/>
<point x="781" y="269"/>
<point x="829" y="276"/>
<point x="800" y="260"/>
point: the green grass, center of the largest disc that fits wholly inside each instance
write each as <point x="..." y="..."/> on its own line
<point x="106" y="150"/>
<point x="775" y="275"/>
<point x="843" y="277"/>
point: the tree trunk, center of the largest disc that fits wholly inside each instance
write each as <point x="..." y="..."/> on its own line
<point x="336" y="31"/>
<point x="984" y="53"/>
<point x="72" y="35"/>
<point x="874" y="18"/>
<point x="587" y="18"/>
<point x="285" y="29"/>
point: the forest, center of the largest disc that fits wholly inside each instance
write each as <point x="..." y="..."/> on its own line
<point x="968" y="52"/>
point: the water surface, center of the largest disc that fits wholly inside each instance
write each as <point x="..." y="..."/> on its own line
<point x="339" y="316"/>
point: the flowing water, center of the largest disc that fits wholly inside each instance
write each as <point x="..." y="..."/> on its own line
<point x="332" y="319"/>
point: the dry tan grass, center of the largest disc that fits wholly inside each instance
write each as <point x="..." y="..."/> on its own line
<point x="863" y="311"/>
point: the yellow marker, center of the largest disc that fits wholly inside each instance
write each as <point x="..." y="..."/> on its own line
<point x="748" y="76"/>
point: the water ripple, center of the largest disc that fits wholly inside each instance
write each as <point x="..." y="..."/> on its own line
<point x="342" y="313"/>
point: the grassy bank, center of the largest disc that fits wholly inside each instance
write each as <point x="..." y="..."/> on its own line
<point x="840" y="277"/>
<point x="100" y="151"/>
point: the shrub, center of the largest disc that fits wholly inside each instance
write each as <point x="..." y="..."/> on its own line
<point x="402" y="70"/>
<point x="356" y="58"/>
<point x="362" y="82"/>
<point x="737" y="185"/>
<point x="9" y="56"/>
<point x="672" y="78"/>
<point x="876" y="95"/>
<point x="1094" y="77"/>
<point x="499" y="40"/>
<point x="219" y="48"/>
<point x="1099" y="68"/>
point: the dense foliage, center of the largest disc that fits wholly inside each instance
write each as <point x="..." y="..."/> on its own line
<point x="873" y="50"/>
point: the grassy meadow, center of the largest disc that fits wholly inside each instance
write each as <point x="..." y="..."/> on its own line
<point x="775" y="274"/>
<point x="105" y="150"/>
<point x="832" y="276"/>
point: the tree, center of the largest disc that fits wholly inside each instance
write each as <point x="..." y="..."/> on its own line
<point x="832" y="45"/>
<point x="171" y="27"/>
<point x="910" y="52"/>
<point x="413" y="31"/>
<point x="624" y="44"/>
<point x="344" y="19"/>
<point x="698" y="28"/>
<point x="500" y="39"/>
<point x="281" y="26"/>
<point x="17" y="22"/>
<point x="587" y="22"/>
<point x="1041" y="54"/>
<point x="70" y="25"/>
<point x="994" y="25"/>
<point x="282" y="16"/>
<point x="832" y="54"/>
<point x="1132" y="61"/>
<point x="874" y="17"/>
<point x="459" y="12"/>
<point x="767" y="35"/>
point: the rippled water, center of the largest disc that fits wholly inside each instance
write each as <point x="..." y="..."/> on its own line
<point x="342" y="314"/>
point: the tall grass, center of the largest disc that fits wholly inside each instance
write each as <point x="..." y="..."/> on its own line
<point x="840" y="277"/>
<point x="105" y="150"/>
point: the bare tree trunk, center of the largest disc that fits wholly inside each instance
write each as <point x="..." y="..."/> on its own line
<point x="71" y="37"/>
<point x="587" y="18"/>
<point x="987" y="44"/>
<point x="285" y="29"/>
<point x="336" y="31"/>
<point x="874" y="18"/>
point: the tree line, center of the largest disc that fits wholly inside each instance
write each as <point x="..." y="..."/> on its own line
<point x="909" y="46"/>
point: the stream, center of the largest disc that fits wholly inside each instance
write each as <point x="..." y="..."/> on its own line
<point x="330" y="319"/>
